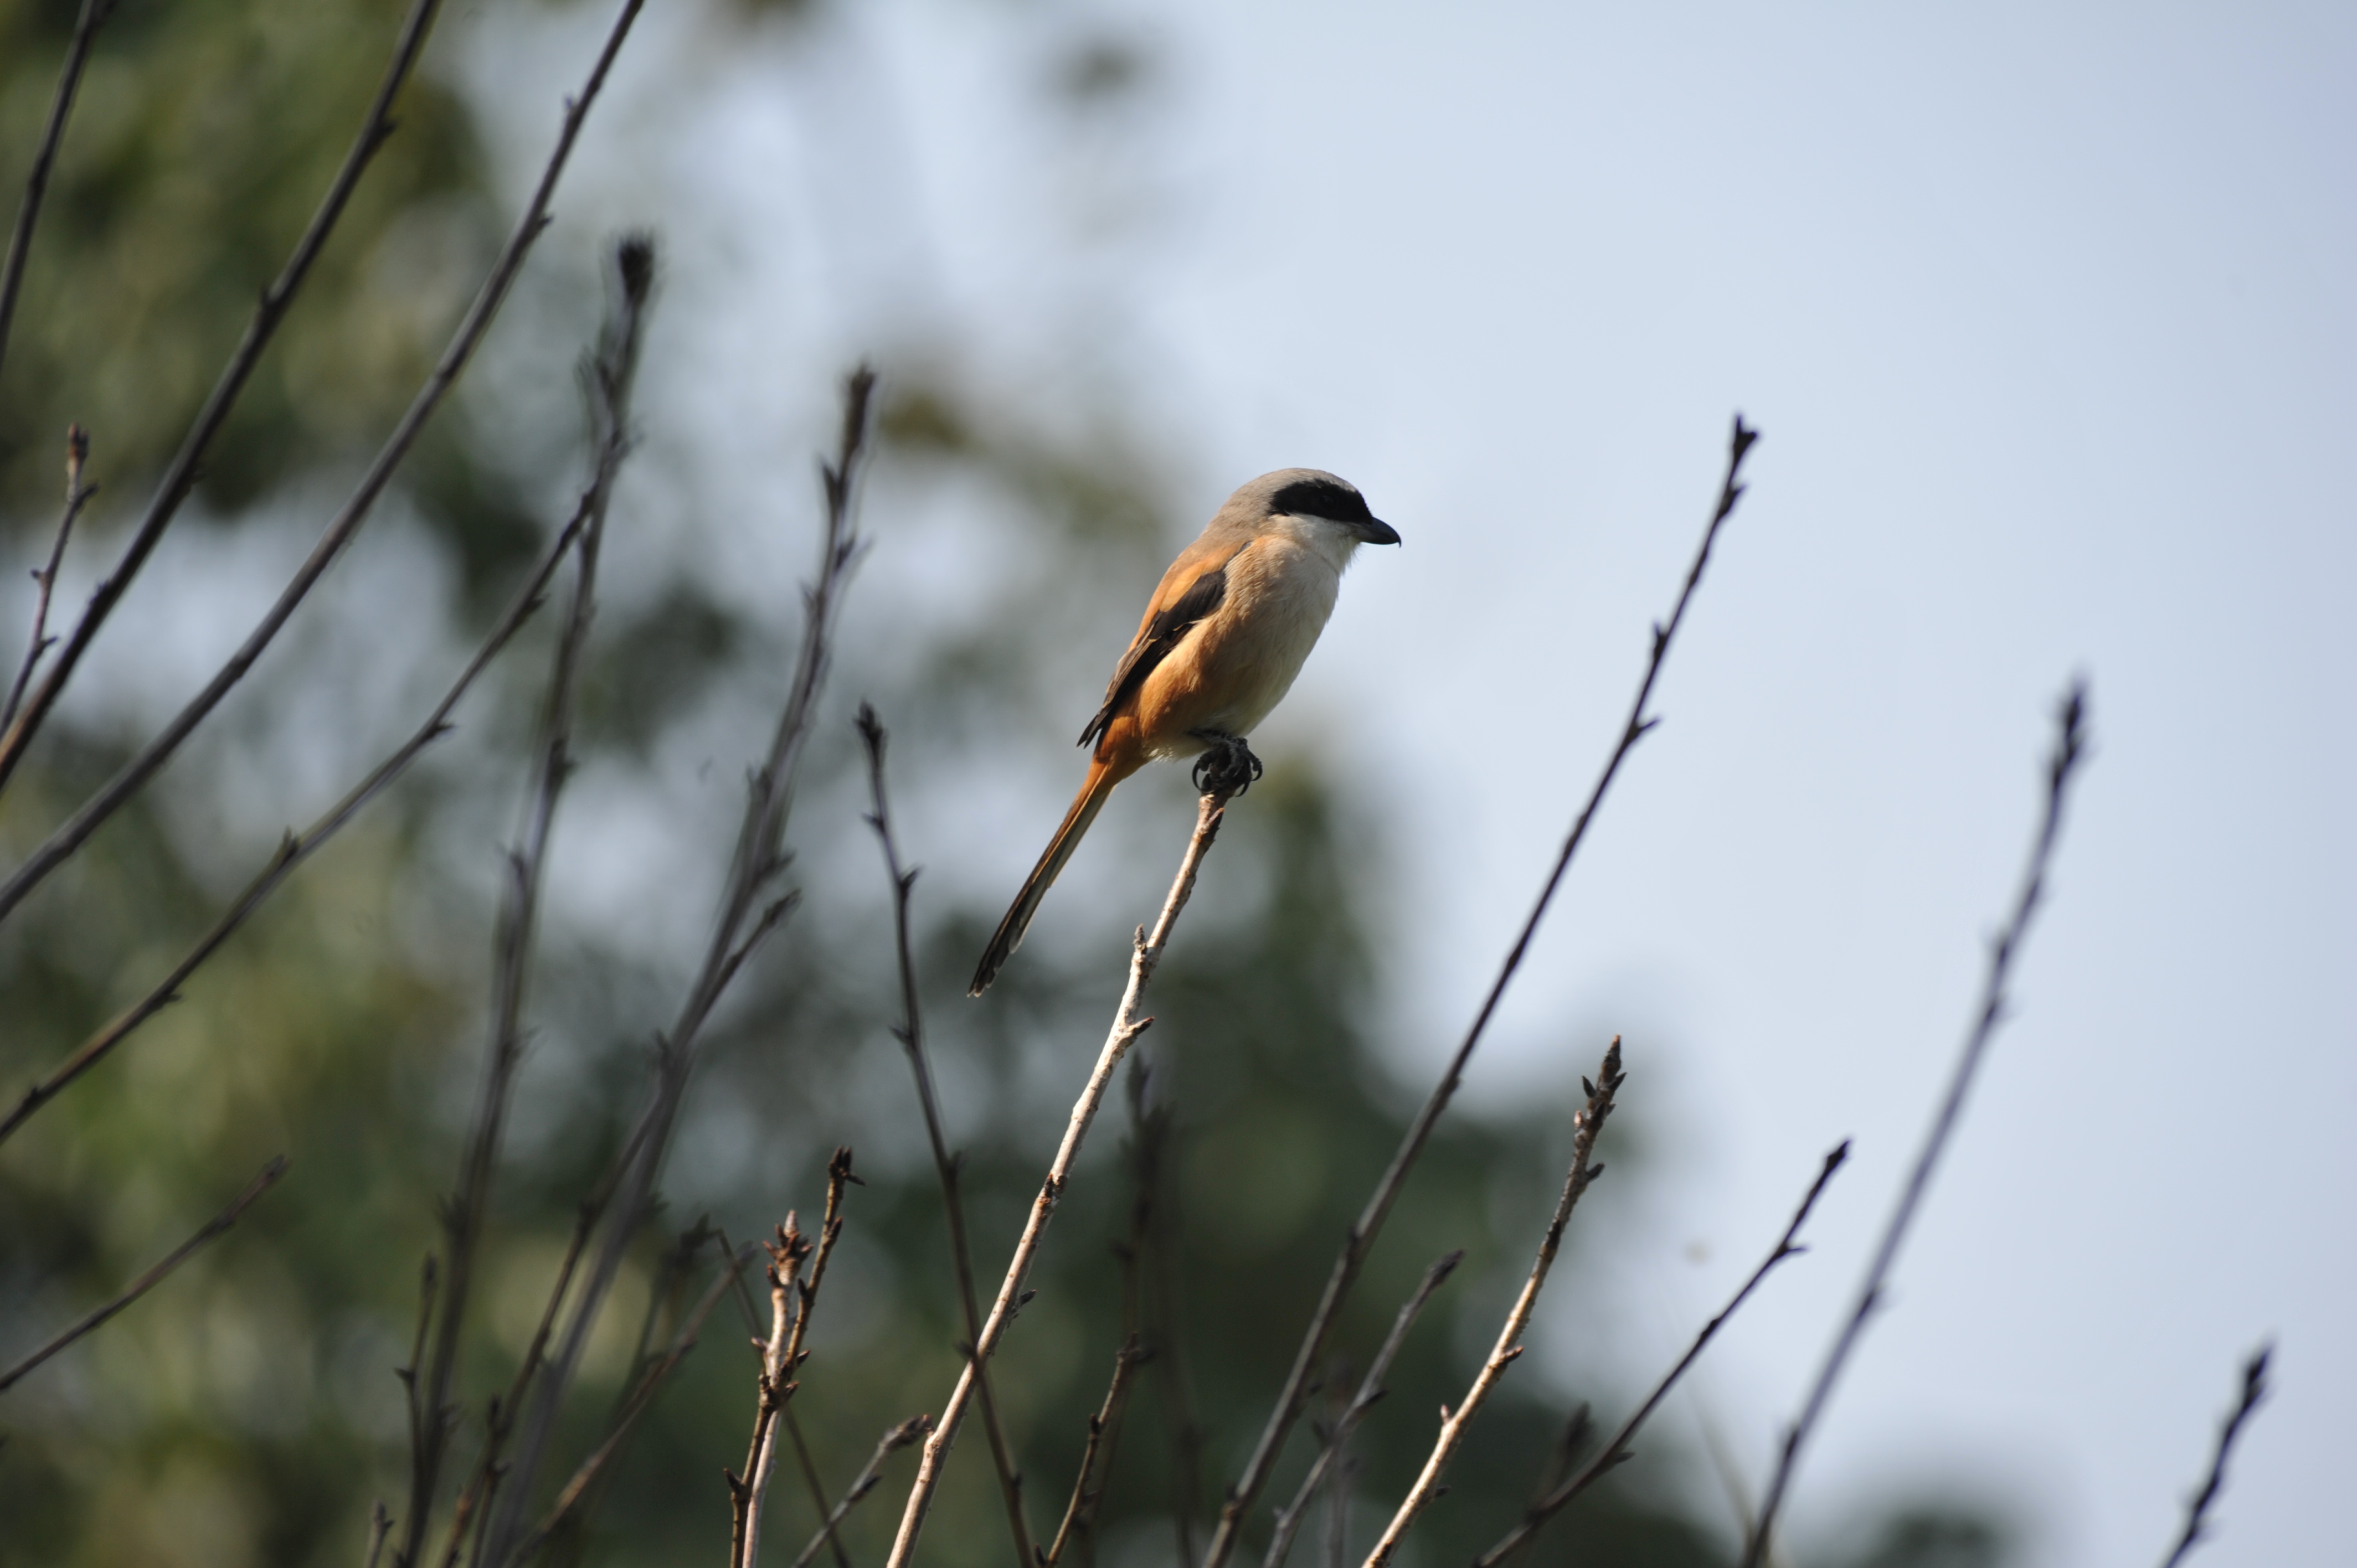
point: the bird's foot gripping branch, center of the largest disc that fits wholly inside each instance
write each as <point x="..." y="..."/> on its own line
<point x="1228" y="769"/>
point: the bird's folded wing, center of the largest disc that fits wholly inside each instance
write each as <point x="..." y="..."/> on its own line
<point x="1192" y="589"/>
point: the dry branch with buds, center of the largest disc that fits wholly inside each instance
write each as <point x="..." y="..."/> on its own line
<point x="1556" y="1493"/>
<point x="2197" y="1508"/>
<point x="791" y="1301"/>
<point x="749" y="911"/>
<point x="910" y="1033"/>
<point x="1127" y="1025"/>
<point x="1508" y="1348"/>
<point x="2062" y="768"/>
<point x="1294" y="1396"/>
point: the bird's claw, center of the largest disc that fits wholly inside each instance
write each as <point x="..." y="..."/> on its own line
<point x="1228" y="768"/>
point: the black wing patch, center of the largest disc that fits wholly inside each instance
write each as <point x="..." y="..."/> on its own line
<point x="1154" y="643"/>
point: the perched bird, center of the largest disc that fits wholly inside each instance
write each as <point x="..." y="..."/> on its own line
<point x="1220" y="642"/>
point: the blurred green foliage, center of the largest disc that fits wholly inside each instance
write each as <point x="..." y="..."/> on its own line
<point x="247" y="1410"/>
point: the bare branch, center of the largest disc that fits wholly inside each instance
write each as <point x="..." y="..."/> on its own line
<point x="1105" y="1431"/>
<point x="1291" y="1398"/>
<point x="911" y="1035"/>
<point x="753" y="870"/>
<point x="180" y="478"/>
<point x="1370" y="1389"/>
<point x="77" y="496"/>
<point x="2061" y="766"/>
<point x="608" y="375"/>
<point x="1146" y="955"/>
<point x="1554" y="1498"/>
<point x="134" y="775"/>
<point x="2197" y="1512"/>
<point x="640" y="1398"/>
<point x="782" y="1356"/>
<point x="1508" y="1348"/>
<point x="295" y="848"/>
<point x="899" y="1437"/>
<point x="94" y="16"/>
<point x="154" y="1276"/>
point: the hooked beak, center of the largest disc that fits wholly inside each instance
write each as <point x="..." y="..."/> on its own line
<point x="1375" y="531"/>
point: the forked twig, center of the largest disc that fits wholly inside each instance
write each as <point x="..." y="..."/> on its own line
<point x="754" y="867"/>
<point x="154" y="1276"/>
<point x="180" y="478"/>
<point x="77" y="496"/>
<point x="1291" y="1398"/>
<point x="134" y="775"/>
<point x="1370" y="1389"/>
<point x="2197" y="1512"/>
<point x="1127" y="1025"/>
<point x="910" y="1033"/>
<point x="2061" y="766"/>
<point x="1508" y="1348"/>
<point x="94" y="16"/>
<point x="909" y="1431"/>
<point x="1553" y="1500"/>
<point x="608" y="375"/>
<point x="791" y="1300"/>
<point x="1105" y="1431"/>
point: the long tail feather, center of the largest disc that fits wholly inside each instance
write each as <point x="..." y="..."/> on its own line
<point x="1009" y="935"/>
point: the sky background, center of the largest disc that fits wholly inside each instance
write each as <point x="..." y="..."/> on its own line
<point x="2044" y="314"/>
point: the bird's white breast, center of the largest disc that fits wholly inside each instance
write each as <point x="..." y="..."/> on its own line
<point x="1280" y="592"/>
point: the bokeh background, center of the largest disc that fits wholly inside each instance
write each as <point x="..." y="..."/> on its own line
<point x="2044" y="314"/>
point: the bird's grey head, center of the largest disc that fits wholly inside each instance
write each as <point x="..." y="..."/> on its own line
<point x="1309" y="493"/>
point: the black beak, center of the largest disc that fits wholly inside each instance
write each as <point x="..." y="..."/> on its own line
<point x="1375" y="531"/>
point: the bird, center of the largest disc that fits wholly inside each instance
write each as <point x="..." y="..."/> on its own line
<point x="1220" y="644"/>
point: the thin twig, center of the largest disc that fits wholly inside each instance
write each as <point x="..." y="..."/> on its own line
<point x="180" y="478"/>
<point x="77" y="496"/>
<point x="1104" y="1432"/>
<point x="1151" y="1297"/>
<point x="783" y="1355"/>
<point x="1508" y="1348"/>
<point x="340" y="531"/>
<point x="910" y="1033"/>
<point x="1127" y="1025"/>
<point x="649" y="1386"/>
<point x="899" y="1437"/>
<point x="606" y="375"/>
<point x="1370" y="1389"/>
<point x="754" y="868"/>
<point x="2062" y="765"/>
<point x="1616" y="1452"/>
<point x="94" y="16"/>
<point x="1291" y="1399"/>
<point x="380" y="1526"/>
<point x="482" y="1486"/>
<point x="2197" y="1512"/>
<point x="154" y="1276"/>
<point x="817" y="1489"/>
